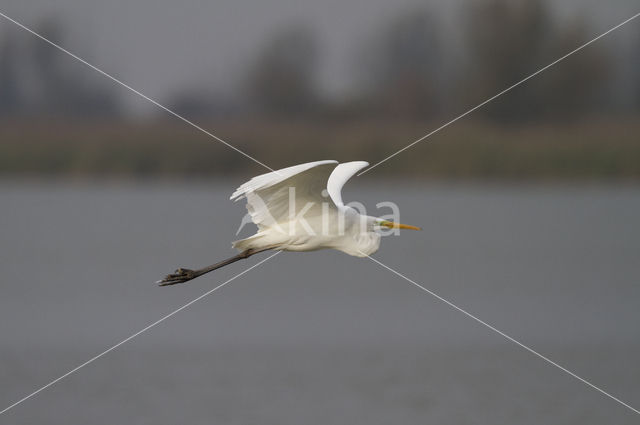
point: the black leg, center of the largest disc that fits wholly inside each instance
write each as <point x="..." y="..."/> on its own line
<point x="184" y="275"/>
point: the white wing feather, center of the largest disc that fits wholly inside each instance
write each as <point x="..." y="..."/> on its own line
<point x="339" y="177"/>
<point x="266" y="180"/>
<point x="268" y="194"/>
<point x="275" y="212"/>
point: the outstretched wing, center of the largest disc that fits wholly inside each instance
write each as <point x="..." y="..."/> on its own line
<point x="339" y="177"/>
<point x="268" y="200"/>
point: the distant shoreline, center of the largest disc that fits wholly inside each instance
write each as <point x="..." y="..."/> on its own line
<point x="599" y="149"/>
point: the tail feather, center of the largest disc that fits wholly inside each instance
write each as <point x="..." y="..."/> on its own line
<point x="248" y="243"/>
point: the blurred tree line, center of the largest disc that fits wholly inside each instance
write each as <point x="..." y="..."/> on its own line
<point x="36" y="79"/>
<point x="408" y="69"/>
<point x="508" y="40"/>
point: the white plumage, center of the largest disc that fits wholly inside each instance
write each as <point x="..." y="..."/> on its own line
<point x="300" y="208"/>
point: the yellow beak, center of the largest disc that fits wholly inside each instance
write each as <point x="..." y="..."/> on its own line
<point x="392" y="225"/>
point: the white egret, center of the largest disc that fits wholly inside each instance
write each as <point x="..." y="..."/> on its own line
<point x="300" y="208"/>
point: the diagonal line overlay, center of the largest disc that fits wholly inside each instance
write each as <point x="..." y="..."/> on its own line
<point x="129" y="338"/>
<point x="499" y="332"/>
<point x="577" y="49"/>
<point x="128" y="87"/>
<point x="271" y="256"/>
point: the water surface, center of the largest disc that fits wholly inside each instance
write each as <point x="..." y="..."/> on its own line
<point x="321" y="337"/>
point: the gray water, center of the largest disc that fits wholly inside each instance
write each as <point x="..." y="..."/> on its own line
<point x="321" y="338"/>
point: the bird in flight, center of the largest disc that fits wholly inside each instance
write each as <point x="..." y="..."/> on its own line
<point x="300" y="208"/>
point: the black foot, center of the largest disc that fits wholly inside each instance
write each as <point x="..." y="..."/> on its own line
<point x="179" y="276"/>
